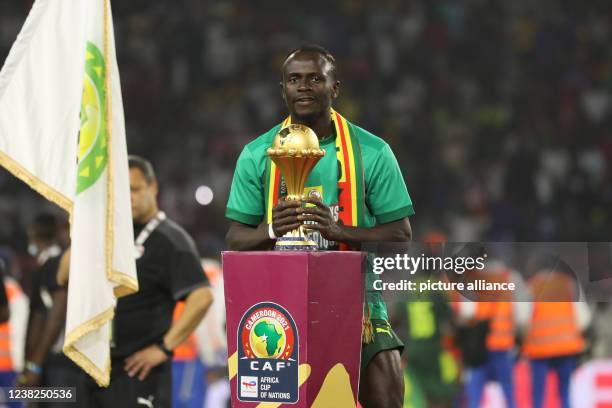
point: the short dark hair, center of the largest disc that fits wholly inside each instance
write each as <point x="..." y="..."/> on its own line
<point x="317" y="49"/>
<point x="45" y="226"/>
<point x="142" y="164"/>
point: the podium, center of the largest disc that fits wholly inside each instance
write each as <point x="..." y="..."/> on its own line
<point x="294" y="322"/>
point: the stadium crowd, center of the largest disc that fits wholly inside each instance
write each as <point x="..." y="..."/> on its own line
<point x="498" y="111"/>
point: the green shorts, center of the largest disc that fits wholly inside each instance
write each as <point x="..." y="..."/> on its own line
<point x="384" y="339"/>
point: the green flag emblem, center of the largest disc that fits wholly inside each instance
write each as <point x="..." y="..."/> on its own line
<point x="93" y="149"/>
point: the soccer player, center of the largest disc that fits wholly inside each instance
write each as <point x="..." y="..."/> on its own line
<point x="363" y="198"/>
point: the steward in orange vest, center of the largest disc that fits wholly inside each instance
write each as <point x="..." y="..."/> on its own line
<point x="553" y="330"/>
<point x="554" y="337"/>
<point x="495" y="307"/>
<point x="13" y="291"/>
<point x="498" y="311"/>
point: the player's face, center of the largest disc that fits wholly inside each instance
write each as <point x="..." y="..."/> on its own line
<point x="143" y="196"/>
<point x="308" y="85"/>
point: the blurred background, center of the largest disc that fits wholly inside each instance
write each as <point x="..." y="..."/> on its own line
<point x="499" y="112"/>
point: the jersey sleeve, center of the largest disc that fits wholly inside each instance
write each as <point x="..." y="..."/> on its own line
<point x="185" y="273"/>
<point x="246" y="199"/>
<point x="386" y="193"/>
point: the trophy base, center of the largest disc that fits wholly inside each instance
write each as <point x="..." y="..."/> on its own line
<point x="295" y="244"/>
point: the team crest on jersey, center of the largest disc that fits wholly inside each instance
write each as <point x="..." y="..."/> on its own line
<point x="268" y="355"/>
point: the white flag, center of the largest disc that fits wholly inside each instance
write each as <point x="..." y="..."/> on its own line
<point x="60" y="77"/>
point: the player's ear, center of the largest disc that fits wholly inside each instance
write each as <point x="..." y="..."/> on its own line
<point x="336" y="89"/>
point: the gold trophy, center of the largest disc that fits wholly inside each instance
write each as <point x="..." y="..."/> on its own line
<point x="295" y="151"/>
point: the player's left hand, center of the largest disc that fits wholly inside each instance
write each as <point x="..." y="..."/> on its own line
<point x="323" y="218"/>
<point x="143" y="361"/>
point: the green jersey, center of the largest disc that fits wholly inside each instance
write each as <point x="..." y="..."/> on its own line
<point x="386" y="197"/>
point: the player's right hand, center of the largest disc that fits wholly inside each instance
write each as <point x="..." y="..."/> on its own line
<point x="285" y="216"/>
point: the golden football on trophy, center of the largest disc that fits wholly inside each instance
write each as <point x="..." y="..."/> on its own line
<point x="295" y="151"/>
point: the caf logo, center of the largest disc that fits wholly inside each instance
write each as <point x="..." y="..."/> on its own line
<point x="268" y="331"/>
<point x="268" y="355"/>
<point x="314" y="193"/>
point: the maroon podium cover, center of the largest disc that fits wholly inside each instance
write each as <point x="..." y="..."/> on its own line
<point x="294" y="322"/>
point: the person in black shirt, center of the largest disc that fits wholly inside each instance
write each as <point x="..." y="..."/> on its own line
<point x="168" y="268"/>
<point x="45" y="363"/>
